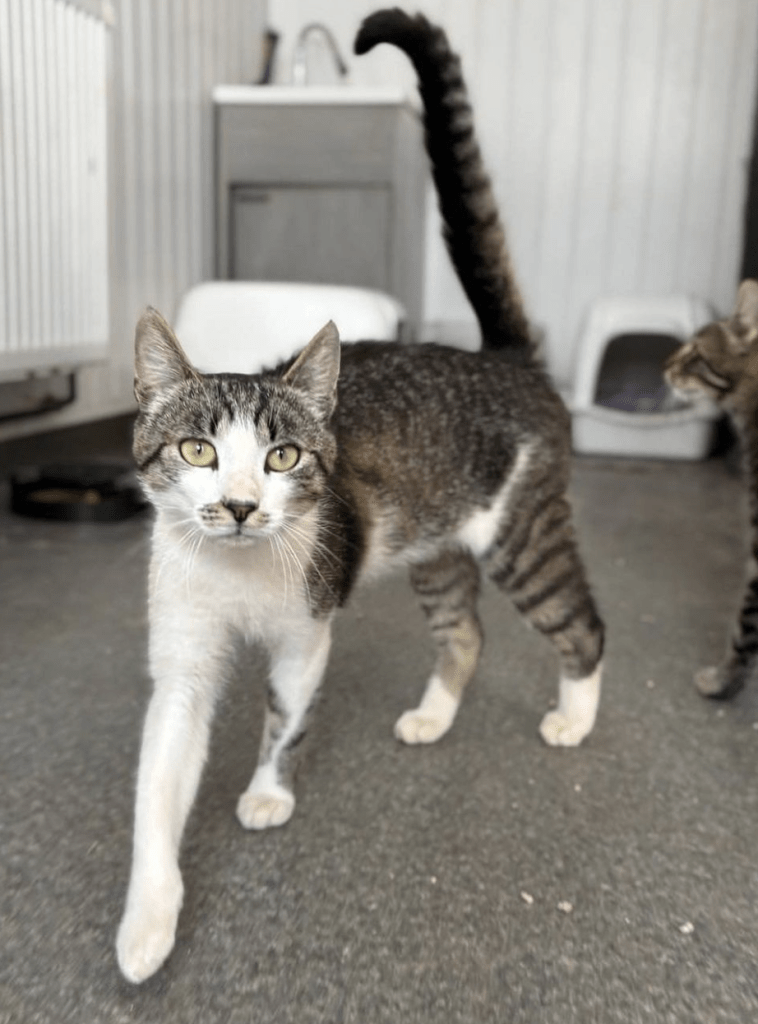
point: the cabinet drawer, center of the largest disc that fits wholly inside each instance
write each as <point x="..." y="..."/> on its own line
<point x="310" y="145"/>
<point x="324" y="234"/>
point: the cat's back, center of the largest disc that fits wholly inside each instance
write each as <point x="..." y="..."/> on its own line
<point x="429" y="426"/>
<point x="410" y="390"/>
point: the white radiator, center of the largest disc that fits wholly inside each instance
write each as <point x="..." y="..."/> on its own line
<point x="53" y="185"/>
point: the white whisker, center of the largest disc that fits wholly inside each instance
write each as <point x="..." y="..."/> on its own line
<point x="334" y="494"/>
<point x="182" y="541"/>
<point x="293" y="554"/>
<point x="195" y="543"/>
<point x="292" y="523"/>
<point x="278" y="551"/>
<point x="316" y="546"/>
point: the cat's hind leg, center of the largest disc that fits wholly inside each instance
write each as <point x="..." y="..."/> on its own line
<point x="297" y="668"/>
<point x="535" y="561"/>
<point x="448" y="587"/>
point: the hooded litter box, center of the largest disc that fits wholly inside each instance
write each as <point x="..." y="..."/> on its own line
<point x="621" y="403"/>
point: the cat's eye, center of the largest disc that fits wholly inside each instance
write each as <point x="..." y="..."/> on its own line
<point x="284" y="457"/>
<point x="197" y="453"/>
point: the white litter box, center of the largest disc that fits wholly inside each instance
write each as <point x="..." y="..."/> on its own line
<point x="243" y="326"/>
<point x="621" y="403"/>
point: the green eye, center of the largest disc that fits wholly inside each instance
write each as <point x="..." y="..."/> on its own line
<point x="283" y="458"/>
<point x="197" y="453"/>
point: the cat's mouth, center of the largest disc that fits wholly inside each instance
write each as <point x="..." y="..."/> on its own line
<point x="681" y="385"/>
<point x="237" y="533"/>
<point x="239" y="538"/>
<point x="248" y="531"/>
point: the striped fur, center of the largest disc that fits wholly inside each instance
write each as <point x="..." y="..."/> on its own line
<point x="721" y="363"/>
<point x="472" y="228"/>
<point x="446" y="462"/>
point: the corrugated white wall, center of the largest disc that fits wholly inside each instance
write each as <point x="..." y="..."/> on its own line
<point x="617" y="133"/>
<point x="168" y="57"/>
<point x="164" y="58"/>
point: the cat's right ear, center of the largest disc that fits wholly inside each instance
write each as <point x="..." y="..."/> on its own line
<point x="747" y="310"/>
<point x="159" y="361"/>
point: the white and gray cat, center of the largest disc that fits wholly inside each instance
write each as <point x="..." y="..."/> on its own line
<point x="275" y="493"/>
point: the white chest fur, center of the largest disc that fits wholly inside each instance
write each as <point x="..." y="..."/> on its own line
<point x="257" y="589"/>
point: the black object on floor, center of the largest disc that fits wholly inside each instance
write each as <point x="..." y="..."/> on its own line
<point x="94" y="492"/>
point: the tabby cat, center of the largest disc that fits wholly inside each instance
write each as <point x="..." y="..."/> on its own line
<point x="721" y="362"/>
<point x="276" y="492"/>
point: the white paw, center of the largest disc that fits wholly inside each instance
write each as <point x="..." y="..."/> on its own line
<point x="574" y="717"/>
<point x="709" y="681"/>
<point x="265" y="810"/>
<point x="432" y="718"/>
<point x="418" y="727"/>
<point x="146" y="934"/>
<point x="559" y="731"/>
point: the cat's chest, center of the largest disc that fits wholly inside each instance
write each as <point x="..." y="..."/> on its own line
<point x="255" y="589"/>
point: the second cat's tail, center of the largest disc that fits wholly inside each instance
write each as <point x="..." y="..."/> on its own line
<point x="472" y="228"/>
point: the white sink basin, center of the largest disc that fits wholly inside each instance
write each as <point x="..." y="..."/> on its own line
<point x="302" y="95"/>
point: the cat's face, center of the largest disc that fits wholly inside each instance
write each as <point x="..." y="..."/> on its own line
<point x="709" y="364"/>
<point x="233" y="457"/>
<point x="721" y="360"/>
<point x="236" y="481"/>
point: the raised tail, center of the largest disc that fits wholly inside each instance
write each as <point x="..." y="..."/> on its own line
<point x="472" y="229"/>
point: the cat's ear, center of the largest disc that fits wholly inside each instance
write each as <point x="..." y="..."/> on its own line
<point x="747" y="310"/>
<point x="317" y="368"/>
<point x="159" y="361"/>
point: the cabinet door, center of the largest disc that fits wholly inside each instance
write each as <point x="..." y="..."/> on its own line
<point x="323" y="234"/>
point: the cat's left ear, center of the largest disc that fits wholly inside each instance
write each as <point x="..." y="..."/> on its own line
<point x="317" y="368"/>
<point x="747" y="310"/>
<point x="159" y="360"/>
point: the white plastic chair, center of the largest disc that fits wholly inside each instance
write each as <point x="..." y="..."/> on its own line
<point x="243" y="326"/>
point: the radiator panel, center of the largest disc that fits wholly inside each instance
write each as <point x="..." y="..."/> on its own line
<point x="53" y="186"/>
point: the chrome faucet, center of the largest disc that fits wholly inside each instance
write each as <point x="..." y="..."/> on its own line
<point x="300" y="62"/>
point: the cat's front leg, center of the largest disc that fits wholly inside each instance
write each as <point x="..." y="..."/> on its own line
<point x="298" y="662"/>
<point x="187" y="661"/>
<point x="721" y="682"/>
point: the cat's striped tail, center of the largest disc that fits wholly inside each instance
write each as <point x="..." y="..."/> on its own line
<point x="472" y="228"/>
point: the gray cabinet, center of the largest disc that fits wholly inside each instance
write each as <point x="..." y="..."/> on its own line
<point x="317" y="190"/>
<point x="324" y="233"/>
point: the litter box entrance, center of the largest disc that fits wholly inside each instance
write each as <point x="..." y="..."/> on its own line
<point x="631" y="373"/>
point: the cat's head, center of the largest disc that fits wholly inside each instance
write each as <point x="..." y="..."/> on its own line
<point x="235" y="456"/>
<point x="721" y="360"/>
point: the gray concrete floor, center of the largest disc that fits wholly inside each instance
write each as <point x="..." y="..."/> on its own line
<point x="394" y="894"/>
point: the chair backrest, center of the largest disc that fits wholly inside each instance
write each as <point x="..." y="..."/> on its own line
<point x="243" y="326"/>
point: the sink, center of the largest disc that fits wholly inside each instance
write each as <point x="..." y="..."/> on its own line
<point x="321" y="184"/>
<point x="307" y="95"/>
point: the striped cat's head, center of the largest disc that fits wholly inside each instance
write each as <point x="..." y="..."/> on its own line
<point x="721" y="360"/>
<point x="235" y="456"/>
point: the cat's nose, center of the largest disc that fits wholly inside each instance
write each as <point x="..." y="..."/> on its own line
<point x="241" y="509"/>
